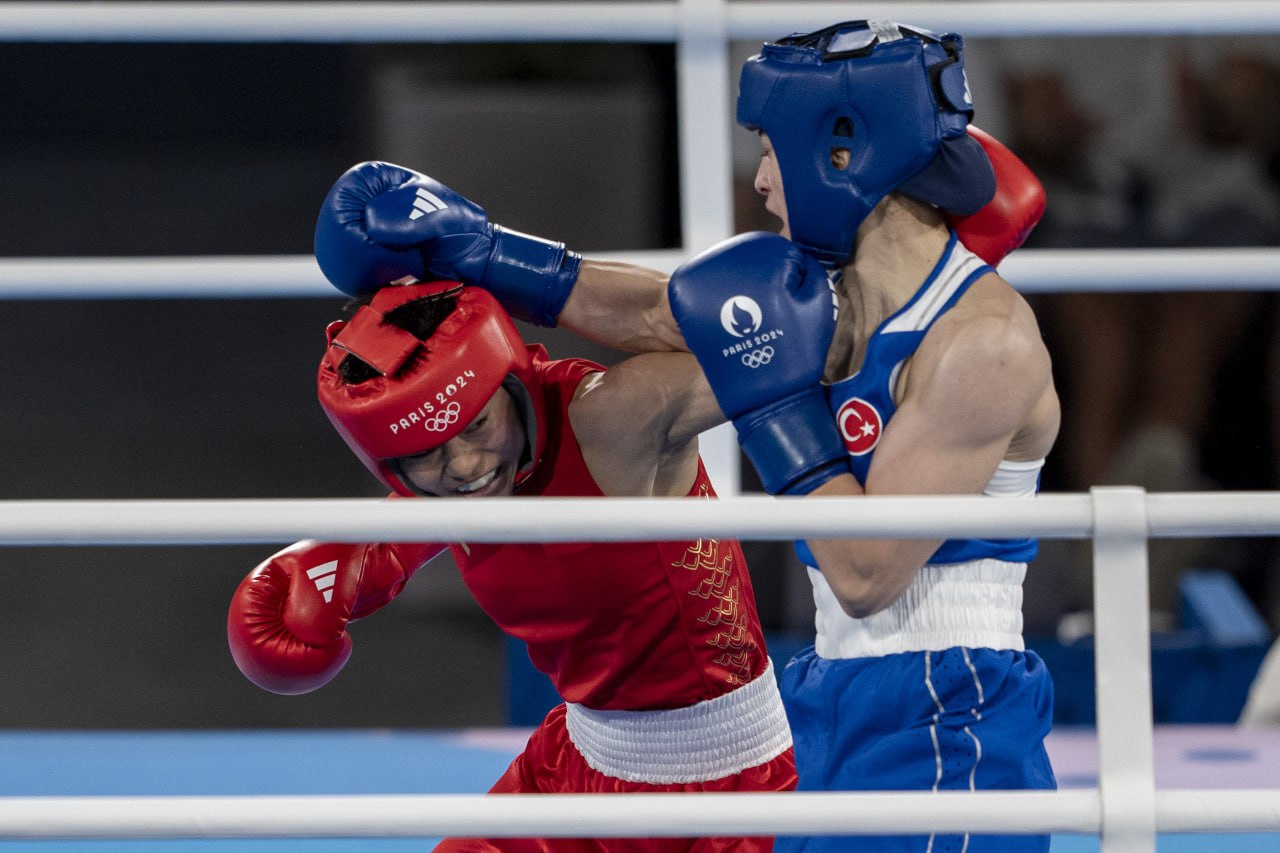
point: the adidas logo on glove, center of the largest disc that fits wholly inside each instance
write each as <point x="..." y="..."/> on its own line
<point x="425" y="202"/>
<point x="325" y="576"/>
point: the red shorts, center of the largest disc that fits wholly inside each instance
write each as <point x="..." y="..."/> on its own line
<point x="551" y="764"/>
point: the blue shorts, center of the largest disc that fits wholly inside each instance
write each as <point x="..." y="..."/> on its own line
<point x="957" y="719"/>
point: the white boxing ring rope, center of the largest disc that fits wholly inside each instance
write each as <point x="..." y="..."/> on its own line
<point x="265" y="276"/>
<point x="616" y="815"/>
<point x="635" y="21"/>
<point x="758" y="518"/>
<point x="1126" y="808"/>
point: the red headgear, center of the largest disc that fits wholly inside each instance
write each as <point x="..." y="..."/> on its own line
<point x="426" y="391"/>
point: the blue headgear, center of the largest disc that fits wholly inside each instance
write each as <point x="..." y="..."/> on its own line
<point x="895" y="96"/>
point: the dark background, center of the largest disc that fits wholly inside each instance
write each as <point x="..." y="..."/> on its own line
<point x="198" y="149"/>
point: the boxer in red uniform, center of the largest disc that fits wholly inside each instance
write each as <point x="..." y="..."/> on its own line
<point x="656" y="647"/>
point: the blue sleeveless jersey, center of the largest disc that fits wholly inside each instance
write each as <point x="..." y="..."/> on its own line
<point x="863" y="403"/>
<point x="936" y="691"/>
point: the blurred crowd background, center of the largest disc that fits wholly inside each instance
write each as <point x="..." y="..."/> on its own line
<point x="210" y="149"/>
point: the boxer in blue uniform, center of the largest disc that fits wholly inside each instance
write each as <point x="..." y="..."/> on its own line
<point x="867" y="348"/>
<point x="933" y="379"/>
<point x="951" y="699"/>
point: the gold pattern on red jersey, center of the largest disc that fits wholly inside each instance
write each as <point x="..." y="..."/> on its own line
<point x="715" y="565"/>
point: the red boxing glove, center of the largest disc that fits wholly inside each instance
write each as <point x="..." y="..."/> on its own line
<point x="1004" y="223"/>
<point x="287" y="626"/>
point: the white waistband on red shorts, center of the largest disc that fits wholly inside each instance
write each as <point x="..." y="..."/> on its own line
<point x="976" y="604"/>
<point x="710" y="740"/>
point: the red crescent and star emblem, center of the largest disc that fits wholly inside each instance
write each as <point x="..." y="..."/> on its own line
<point x="860" y="426"/>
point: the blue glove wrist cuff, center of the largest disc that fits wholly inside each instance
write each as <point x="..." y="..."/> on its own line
<point x="793" y="444"/>
<point x="530" y="276"/>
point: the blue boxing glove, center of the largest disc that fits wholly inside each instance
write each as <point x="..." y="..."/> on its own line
<point x="381" y="222"/>
<point x="759" y="314"/>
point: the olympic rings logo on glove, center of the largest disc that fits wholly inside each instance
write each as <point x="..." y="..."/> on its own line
<point x="443" y="419"/>
<point x="758" y="357"/>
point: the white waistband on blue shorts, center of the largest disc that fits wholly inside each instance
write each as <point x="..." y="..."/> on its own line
<point x="710" y="740"/>
<point x="976" y="604"/>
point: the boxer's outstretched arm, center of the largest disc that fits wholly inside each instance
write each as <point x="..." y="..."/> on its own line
<point x="381" y="222"/>
<point x="622" y="306"/>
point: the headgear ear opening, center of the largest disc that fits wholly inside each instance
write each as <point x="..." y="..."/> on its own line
<point x="895" y="96"/>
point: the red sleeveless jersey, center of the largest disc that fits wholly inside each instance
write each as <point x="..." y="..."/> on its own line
<point x="617" y="625"/>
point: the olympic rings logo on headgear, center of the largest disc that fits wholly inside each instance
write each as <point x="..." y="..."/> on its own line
<point x="443" y="419"/>
<point x="758" y="357"/>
